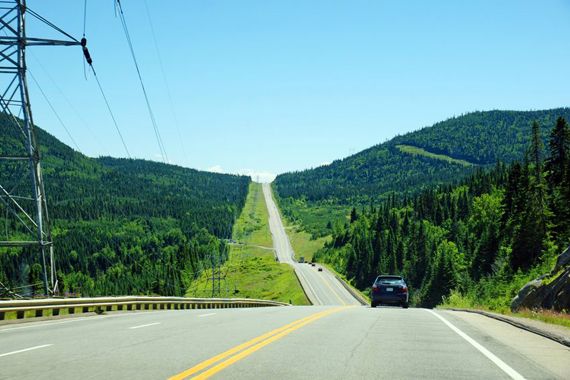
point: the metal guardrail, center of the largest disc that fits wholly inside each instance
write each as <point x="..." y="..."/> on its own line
<point x="359" y="297"/>
<point x="55" y="306"/>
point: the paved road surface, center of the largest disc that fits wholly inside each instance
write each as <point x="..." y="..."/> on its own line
<point x="324" y="342"/>
<point x="322" y="288"/>
<point x="303" y="342"/>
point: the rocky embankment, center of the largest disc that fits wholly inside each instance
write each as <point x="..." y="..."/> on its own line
<point x="550" y="291"/>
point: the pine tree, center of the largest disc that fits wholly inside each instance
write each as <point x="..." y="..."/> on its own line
<point x="530" y="231"/>
<point x="558" y="167"/>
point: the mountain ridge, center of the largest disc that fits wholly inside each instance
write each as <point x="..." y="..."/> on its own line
<point x="120" y="226"/>
<point x="482" y="138"/>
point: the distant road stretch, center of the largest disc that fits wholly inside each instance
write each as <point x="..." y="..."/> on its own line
<point x="303" y="342"/>
<point x="322" y="288"/>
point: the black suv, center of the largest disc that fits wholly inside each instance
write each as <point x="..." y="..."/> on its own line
<point x="389" y="289"/>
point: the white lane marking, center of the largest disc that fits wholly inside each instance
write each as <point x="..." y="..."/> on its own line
<point x="26" y="349"/>
<point x="310" y="286"/>
<point x="342" y="290"/>
<point x="206" y="315"/>
<point x="501" y="364"/>
<point x="331" y="288"/>
<point x="47" y="324"/>
<point x="147" y="325"/>
<point x="92" y="318"/>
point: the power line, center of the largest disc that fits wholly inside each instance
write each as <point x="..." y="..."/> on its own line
<point x="54" y="111"/>
<point x="164" y="78"/>
<point x="84" y="17"/>
<point x="69" y="103"/>
<point x="110" y="110"/>
<point x="148" y="105"/>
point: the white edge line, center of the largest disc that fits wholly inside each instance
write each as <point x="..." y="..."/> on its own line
<point x="26" y="349"/>
<point x="147" y="325"/>
<point x="33" y="324"/>
<point x="310" y="287"/>
<point x="328" y="285"/>
<point x="206" y="315"/>
<point x="492" y="357"/>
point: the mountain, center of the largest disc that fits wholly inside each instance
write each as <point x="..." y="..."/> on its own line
<point x="474" y="243"/>
<point x="121" y="226"/>
<point x="447" y="151"/>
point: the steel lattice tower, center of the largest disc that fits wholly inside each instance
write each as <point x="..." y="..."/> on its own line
<point x="22" y="192"/>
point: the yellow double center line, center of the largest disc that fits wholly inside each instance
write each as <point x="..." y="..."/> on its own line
<point x="227" y="358"/>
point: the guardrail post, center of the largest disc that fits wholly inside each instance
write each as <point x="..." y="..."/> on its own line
<point x="40" y="308"/>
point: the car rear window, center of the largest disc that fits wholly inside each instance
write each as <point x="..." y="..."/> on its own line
<point x="389" y="280"/>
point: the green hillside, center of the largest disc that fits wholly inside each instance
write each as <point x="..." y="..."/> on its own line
<point x="480" y="138"/>
<point x="414" y="150"/>
<point x="472" y="244"/>
<point x="122" y="226"/>
<point x="251" y="270"/>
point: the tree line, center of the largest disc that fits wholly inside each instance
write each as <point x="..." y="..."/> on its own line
<point x="483" y="237"/>
<point x="481" y="138"/>
<point x="120" y="226"/>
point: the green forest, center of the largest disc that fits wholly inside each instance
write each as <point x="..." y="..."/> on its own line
<point x="479" y="138"/>
<point x="120" y="226"/>
<point x="478" y="240"/>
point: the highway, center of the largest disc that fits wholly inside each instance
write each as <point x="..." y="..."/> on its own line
<point x="305" y="342"/>
<point x="335" y="339"/>
<point x="322" y="288"/>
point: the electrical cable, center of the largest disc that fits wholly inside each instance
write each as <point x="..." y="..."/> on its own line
<point x="50" y="24"/>
<point x="110" y="111"/>
<point x="149" y="107"/>
<point x="84" y="28"/>
<point x="164" y="78"/>
<point x="84" y="17"/>
<point x="54" y="111"/>
<point x="69" y="103"/>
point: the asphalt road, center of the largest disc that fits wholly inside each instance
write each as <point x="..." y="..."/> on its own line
<point x="322" y="288"/>
<point x="312" y="342"/>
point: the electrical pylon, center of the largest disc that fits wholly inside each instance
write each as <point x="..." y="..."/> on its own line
<point x="22" y="192"/>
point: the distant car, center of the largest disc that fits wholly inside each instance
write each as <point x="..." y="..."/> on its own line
<point x="389" y="289"/>
<point x="312" y="264"/>
<point x="320" y="269"/>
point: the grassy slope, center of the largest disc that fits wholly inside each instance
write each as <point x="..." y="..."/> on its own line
<point x="302" y="242"/>
<point x="305" y="245"/>
<point x="410" y="149"/>
<point x="251" y="270"/>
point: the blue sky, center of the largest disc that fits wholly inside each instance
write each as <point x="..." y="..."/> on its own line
<point x="274" y="86"/>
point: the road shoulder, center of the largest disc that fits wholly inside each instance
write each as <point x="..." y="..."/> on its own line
<point x="512" y="343"/>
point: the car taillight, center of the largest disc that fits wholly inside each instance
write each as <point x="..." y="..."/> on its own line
<point x="403" y="290"/>
<point x="375" y="288"/>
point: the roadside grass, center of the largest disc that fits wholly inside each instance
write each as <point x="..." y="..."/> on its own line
<point x="343" y="277"/>
<point x="251" y="271"/>
<point x="414" y="150"/>
<point x="305" y="244"/>
<point x="313" y="218"/>
<point x="456" y="300"/>
<point x="252" y="226"/>
<point x="302" y="242"/>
